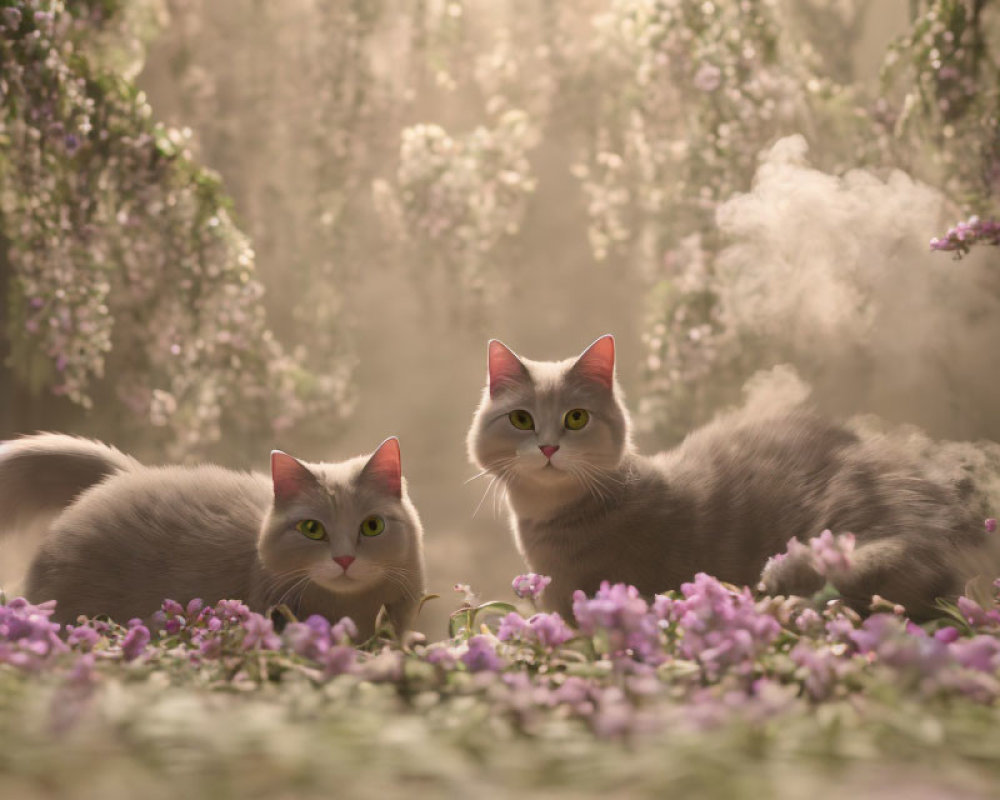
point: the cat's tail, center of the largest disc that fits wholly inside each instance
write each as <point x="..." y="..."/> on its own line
<point x="42" y="474"/>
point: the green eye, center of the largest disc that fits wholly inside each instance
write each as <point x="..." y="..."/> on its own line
<point x="576" y="419"/>
<point x="372" y="526"/>
<point x="311" y="529"/>
<point x="521" y="420"/>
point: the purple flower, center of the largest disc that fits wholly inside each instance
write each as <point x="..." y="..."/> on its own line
<point x="991" y="525"/>
<point x="832" y="554"/>
<point x="481" y="655"/>
<point x="980" y="653"/>
<point x="874" y="631"/>
<point x="27" y="635"/>
<point x="976" y="614"/>
<point x="172" y="607"/>
<point x="530" y="585"/>
<point x="344" y="631"/>
<point x="231" y="611"/>
<point x="72" y="142"/>
<point x="721" y="629"/>
<point x="323" y="643"/>
<point x="947" y="635"/>
<point x="259" y="633"/>
<point x="512" y="626"/>
<point x="174" y="625"/>
<point x="309" y="639"/>
<point x="210" y="647"/>
<point x="82" y="636"/>
<point x="839" y="629"/>
<point x="808" y="620"/>
<point x="964" y="235"/>
<point x="619" y="614"/>
<point x="135" y="642"/>
<point x="549" y="629"/>
<point x="442" y="656"/>
<point x="819" y="669"/>
<point x="339" y="660"/>
<point x="12" y="18"/>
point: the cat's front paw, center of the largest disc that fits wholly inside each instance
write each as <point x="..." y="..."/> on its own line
<point x="791" y="574"/>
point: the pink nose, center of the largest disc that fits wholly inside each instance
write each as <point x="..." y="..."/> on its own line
<point x="548" y="449"/>
<point x="344" y="561"/>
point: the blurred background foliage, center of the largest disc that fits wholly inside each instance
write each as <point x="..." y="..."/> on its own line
<point x="230" y="225"/>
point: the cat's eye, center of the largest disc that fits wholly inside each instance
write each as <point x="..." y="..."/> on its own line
<point x="521" y="420"/>
<point x="311" y="529"/>
<point x="576" y="419"/>
<point x="372" y="526"/>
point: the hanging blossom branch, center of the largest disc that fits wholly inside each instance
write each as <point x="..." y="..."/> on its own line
<point x="964" y="235"/>
<point x="123" y="263"/>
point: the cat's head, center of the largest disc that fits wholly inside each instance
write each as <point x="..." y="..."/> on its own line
<point x="550" y="422"/>
<point x="345" y="526"/>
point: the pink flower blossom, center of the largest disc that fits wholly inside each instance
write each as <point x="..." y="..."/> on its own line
<point x="530" y="585"/>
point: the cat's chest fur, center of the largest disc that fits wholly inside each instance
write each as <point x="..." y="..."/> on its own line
<point x="655" y="531"/>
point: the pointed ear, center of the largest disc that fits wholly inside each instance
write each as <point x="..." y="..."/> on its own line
<point x="385" y="468"/>
<point x="506" y="368"/>
<point x="290" y="477"/>
<point x="597" y="363"/>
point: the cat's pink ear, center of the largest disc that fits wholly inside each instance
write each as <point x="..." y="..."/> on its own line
<point x="597" y="363"/>
<point x="506" y="368"/>
<point x="385" y="468"/>
<point x="290" y="477"/>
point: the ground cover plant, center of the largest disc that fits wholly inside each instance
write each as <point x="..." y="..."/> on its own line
<point x="709" y="691"/>
<point x="729" y="161"/>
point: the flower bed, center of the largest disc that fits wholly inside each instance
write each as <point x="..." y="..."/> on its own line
<point x="641" y="695"/>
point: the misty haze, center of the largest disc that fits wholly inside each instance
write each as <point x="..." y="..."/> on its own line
<point x="231" y="227"/>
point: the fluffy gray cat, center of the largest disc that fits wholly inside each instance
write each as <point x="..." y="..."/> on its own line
<point x="586" y="507"/>
<point x="332" y="539"/>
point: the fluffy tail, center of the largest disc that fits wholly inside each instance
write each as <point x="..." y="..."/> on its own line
<point x="40" y="475"/>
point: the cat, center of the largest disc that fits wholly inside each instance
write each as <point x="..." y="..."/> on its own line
<point x="586" y="507"/>
<point x="331" y="539"/>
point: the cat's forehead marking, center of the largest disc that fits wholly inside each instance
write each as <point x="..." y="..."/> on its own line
<point x="338" y="479"/>
<point x="553" y="383"/>
<point x="548" y="376"/>
<point x="341" y="481"/>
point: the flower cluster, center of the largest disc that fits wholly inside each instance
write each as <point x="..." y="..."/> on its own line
<point x="698" y="91"/>
<point x="545" y="630"/>
<point x="689" y="658"/>
<point x="621" y="621"/>
<point x="722" y="630"/>
<point x="962" y="237"/>
<point x="27" y="636"/>
<point x="458" y="198"/>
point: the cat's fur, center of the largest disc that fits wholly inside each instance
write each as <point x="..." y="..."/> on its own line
<point x="126" y="536"/>
<point x="724" y="501"/>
